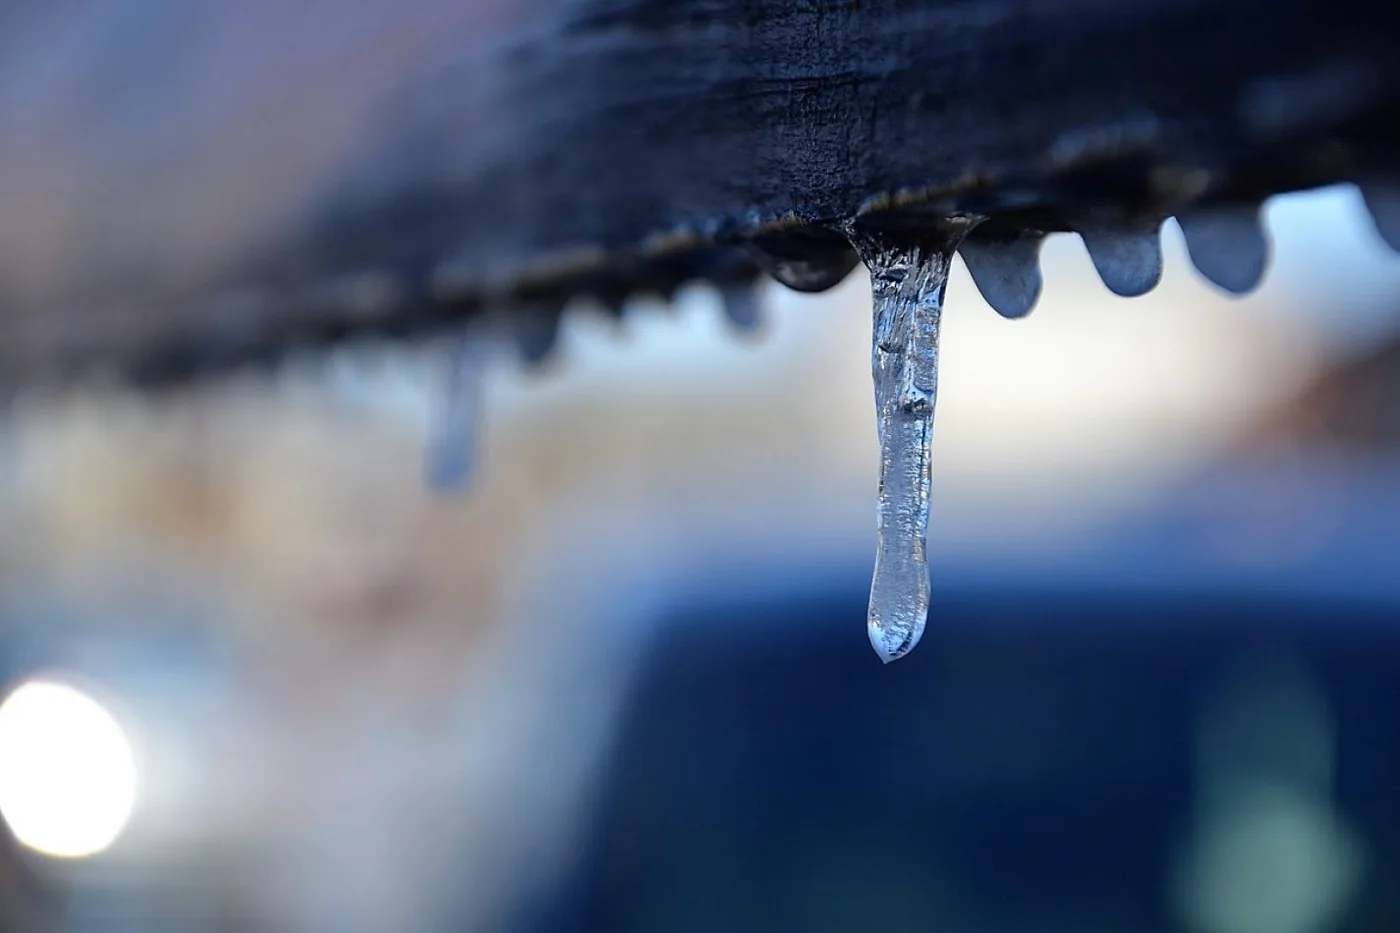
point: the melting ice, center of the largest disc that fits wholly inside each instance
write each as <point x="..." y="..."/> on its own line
<point x="908" y="276"/>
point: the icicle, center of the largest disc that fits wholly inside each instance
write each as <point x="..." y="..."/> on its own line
<point x="535" y="331"/>
<point x="1129" y="260"/>
<point x="452" y="450"/>
<point x="908" y="275"/>
<point x="741" y="305"/>
<point x="1227" y="245"/>
<point x="1006" y="271"/>
<point x="1383" y="202"/>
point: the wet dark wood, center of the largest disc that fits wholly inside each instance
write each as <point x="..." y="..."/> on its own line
<point x="185" y="187"/>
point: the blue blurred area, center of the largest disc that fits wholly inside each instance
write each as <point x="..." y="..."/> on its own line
<point x="1043" y="761"/>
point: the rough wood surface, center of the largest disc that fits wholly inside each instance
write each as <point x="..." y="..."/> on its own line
<point x="185" y="187"/>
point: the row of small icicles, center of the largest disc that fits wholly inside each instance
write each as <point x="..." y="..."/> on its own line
<point x="909" y="269"/>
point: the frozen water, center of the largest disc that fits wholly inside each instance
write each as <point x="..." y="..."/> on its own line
<point x="1383" y="201"/>
<point x="908" y="276"/>
<point x="1128" y="260"/>
<point x="452" y="450"/>
<point x="1006" y="272"/>
<point x="536" y="330"/>
<point x="1227" y="245"/>
<point x="741" y="306"/>
<point x="811" y="269"/>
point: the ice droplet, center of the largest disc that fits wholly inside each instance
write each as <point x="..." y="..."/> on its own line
<point x="1227" y="245"/>
<point x="1129" y="260"/>
<point x="908" y="276"/>
<point x="536" y="330"/>
<point x="1383" y="202"/>
<point x="452" y="450"/>
<point x="1006" y="271"/>
<point x="803" y="263"/>
<point x="741" y="306"/>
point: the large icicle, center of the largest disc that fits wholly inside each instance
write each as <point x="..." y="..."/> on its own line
<point x="908" y="275"/>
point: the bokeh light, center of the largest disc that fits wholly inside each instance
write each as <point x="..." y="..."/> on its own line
<point x="67" y="770"/>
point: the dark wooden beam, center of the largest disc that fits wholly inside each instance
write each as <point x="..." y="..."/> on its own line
<point x="189" y="187"/>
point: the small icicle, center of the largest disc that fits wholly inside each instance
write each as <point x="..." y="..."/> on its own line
<point x="613" y="297"/>
<point x="1383" y="201"/>
<point x="1128" y="259"/>
<point x="1006" y="271"/>
<point x="1227" y="245"/>
<point x="741" y="306"/>
<point x="452" y="449"/>
<point x="536" y="330"/>
<point x="908" y="275"/>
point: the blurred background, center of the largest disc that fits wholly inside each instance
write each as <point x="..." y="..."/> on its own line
<point x="261" y="676"/>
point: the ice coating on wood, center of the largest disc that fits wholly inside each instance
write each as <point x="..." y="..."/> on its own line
<point x="908" y="276"/>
